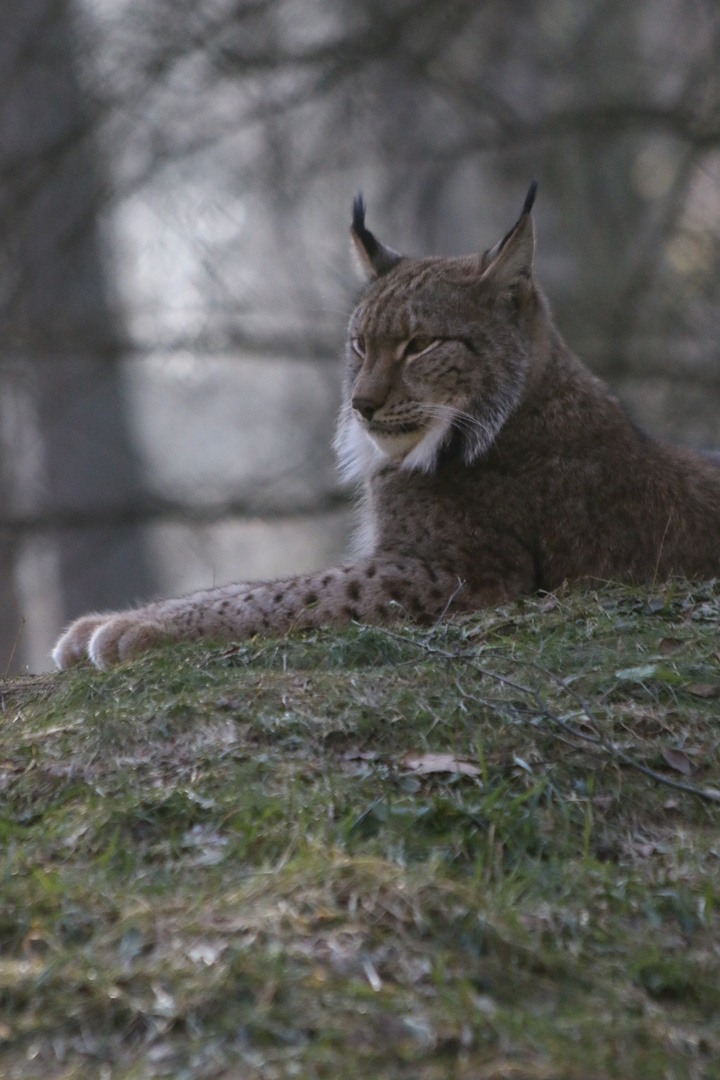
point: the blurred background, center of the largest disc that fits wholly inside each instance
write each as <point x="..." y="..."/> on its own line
<point x="175" y="189"/>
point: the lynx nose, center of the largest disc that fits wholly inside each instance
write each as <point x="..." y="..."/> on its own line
<point x="365" y="406"/>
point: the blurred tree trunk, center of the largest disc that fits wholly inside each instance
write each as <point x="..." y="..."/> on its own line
<point x="55" y="318"/>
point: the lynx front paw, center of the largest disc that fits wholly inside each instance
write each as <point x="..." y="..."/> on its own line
<point x="107" y="639"/>
<point x="122" y="637"/>
<point x="72" y="645"/>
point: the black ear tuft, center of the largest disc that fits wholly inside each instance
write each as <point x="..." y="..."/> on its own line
<point x="527" y="205"/>
<point x="364" y="235"/>
<point x="511" y="260"/>
<point x="358" y="219"/>
<point x="375" y="258"/>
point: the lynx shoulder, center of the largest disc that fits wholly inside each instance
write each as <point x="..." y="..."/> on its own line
<point x="492" y="464"/>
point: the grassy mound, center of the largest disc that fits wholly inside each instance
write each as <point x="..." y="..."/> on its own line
<point x="490" y="850"/>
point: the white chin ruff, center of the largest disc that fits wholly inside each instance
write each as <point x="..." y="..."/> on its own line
<point x="423" y="455"/>
<point x="360" y="454"/>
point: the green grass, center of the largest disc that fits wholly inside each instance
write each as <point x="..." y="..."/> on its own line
<point x="229" y="862"/>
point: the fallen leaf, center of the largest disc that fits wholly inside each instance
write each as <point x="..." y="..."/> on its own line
<point x="522" y="763"/>
<point x="677" y="760"/>
<point x="648" y="671"/>
<point x="668" y="644"/>
<point x="372" y="976"/>
<point x="703" y="690"/>
<point x="426" y="764"/>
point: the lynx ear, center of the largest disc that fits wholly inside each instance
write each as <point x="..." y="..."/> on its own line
<point x="511" y="260"/>
<point x="374" y="258"/>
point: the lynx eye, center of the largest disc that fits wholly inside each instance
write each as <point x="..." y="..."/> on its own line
<point x="358" y="345"/>
<point x="419" y="345"/>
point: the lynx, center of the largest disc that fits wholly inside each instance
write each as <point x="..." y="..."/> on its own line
<point x="492" y="463"/>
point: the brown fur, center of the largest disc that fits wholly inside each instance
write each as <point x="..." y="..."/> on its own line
<point x="493" y="464"/>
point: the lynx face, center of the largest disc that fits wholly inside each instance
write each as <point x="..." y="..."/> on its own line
<point x="436" y="354"/>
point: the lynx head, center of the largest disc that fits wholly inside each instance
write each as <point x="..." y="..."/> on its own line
<point x="437" y="350"/>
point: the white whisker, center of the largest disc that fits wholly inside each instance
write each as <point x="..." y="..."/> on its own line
<point x="464" y="421"/>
